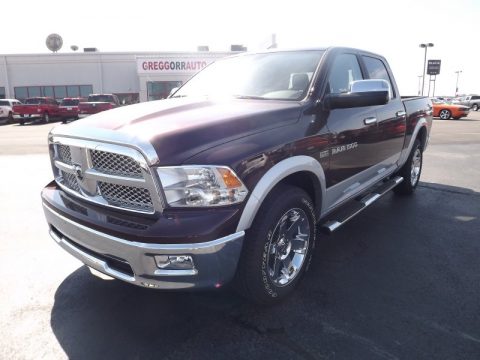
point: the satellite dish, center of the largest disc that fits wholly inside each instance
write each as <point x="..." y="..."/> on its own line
<point x="74" y="47"/>
<point x="54" y="42"/>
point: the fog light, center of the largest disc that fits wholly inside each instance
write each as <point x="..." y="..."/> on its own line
<point x="174" y="262"/>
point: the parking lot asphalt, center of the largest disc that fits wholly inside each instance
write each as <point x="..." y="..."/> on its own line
<point x="399" y="281"/>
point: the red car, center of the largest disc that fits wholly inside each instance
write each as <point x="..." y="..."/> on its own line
<point x="69" y="108"/>
<point x="44" y="108"/>
<point x="97" y="103"/>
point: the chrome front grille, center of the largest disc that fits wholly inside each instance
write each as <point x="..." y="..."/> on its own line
<point x="64" y="154"/>
<point x="70" y="181"/>
<point x="115" y="164"/>
<point x="111" y="175"/>
<point x="125" y="196"/>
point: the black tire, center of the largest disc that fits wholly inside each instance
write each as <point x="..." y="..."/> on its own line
<point x="445" y="114"/>
<point x="410" y="181"/>
<point x="46" y="118"/>
<point x="22" y="121"/>
<point x="267" y="243"/>
<point x="10" y="118"/>
<point x="475" y="107"/>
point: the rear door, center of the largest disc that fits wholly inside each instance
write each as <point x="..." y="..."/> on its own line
<point x="391" y="117"/>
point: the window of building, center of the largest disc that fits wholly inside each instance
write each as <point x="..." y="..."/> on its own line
<point x="57" y="92"/>
<point x="376" y="70"/>
<point x="157" y="90"/>
<point x="2" y="92"/>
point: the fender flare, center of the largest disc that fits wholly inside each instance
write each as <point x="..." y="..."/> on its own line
<point x="422" y="122"/>
<point x="272" y="177"/>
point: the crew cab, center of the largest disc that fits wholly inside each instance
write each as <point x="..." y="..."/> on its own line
<point x="69" y="108"/>
<point x="6" y="111"/>
<point x="43" y="108"/>
<point x="97" y="103"/>
<point x="229" y="179"/>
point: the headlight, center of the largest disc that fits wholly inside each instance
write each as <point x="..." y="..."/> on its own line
<point x="201" y="186"/>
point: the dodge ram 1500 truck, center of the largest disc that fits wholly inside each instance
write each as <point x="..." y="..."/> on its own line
<point x="229" y="179"/>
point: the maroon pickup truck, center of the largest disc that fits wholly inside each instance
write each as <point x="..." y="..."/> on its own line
<point x="97" y="103"/>
<point x="230" y="178"/>
<point x="43" y="108"/>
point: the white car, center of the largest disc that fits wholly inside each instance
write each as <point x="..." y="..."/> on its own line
<point x="6" y="109"/>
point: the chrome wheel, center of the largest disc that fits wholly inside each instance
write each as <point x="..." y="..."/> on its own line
<point x="46" y="118"/>
<point x="445" y="114"/>
<point x="416" y="166"/>
<point x="288" y="247"/>
<point x="475" y="107"/>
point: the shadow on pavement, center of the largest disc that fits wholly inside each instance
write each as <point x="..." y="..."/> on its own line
<point x="398" y="281"/>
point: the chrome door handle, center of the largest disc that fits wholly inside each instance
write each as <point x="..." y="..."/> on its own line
<point x="401" y="113"/>
<point x="370" y="120"/>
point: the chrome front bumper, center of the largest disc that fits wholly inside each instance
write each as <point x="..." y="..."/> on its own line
<point x="215" y="262"/>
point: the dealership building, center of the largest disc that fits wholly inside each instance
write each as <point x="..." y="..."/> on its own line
<point x="133" y="77"/>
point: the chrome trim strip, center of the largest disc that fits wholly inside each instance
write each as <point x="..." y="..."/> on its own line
<point x="272" y="177"/>
<point x="114" y="179"/>
<point x="81" y="132"/>
<point x="163" y="272"/>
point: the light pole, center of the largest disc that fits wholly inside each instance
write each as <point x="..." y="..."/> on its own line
<point x="419" y="84"/>
<point x="425" y="46"/>
<point x="456" y="86"/>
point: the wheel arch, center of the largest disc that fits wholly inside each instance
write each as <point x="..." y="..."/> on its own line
<point x="302" y="171"/>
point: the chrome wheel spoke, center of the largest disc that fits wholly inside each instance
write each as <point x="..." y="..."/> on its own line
<point x="288" y="246"/>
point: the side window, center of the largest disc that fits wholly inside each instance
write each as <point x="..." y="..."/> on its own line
<point x="345" y="69"/>
<point x="376" y="70"/>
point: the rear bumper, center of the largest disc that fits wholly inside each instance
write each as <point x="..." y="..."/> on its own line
<point x="215" y="261"/>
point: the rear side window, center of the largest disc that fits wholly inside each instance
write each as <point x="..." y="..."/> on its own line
<point x="345" y="69"/>
<point x="376" y="69"/>
<point x="475" y="97"/>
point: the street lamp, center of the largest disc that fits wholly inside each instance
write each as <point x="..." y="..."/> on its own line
<point x="456" y="86"/>
<point x="425" y="46"/>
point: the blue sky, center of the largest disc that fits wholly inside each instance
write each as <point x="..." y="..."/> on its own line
<point x="391" y="28"/>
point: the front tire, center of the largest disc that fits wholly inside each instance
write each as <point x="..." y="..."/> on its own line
<point x="278" y="247"/>
<point x="445" y="114"/>
<point x="411" y="171"/>
<point x="46" y="118"/>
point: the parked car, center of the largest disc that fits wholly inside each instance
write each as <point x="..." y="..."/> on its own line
<point x="43" y="108"/>
<point x="6" y="111"/>
<point x="69" y="108"/>
<point x="97" y="103"/>
<point x="472" y="101"/>
<point x="230" y="177"/>
<point x="445" y="110"/>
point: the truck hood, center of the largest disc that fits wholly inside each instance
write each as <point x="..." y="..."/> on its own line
<point x="180" y="128"/>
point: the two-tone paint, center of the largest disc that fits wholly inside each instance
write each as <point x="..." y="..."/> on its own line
<point x="334" y="155"/>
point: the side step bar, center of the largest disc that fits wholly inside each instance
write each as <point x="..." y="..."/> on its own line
<point x="339" y="218"/>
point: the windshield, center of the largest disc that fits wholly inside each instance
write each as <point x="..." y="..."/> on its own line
<point x="35" y="101"/>
<point x="100" y="98"/>
<point x="279" y="75"/>
<point x="70" y="102"/>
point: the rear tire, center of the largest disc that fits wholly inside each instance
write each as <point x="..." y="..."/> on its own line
<point x="475" y="107"/>
<point x="10" y="118"/>
<point x="411" y="171"/>
<point x="278" y="247"/>
<point x="445" y="114"/>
